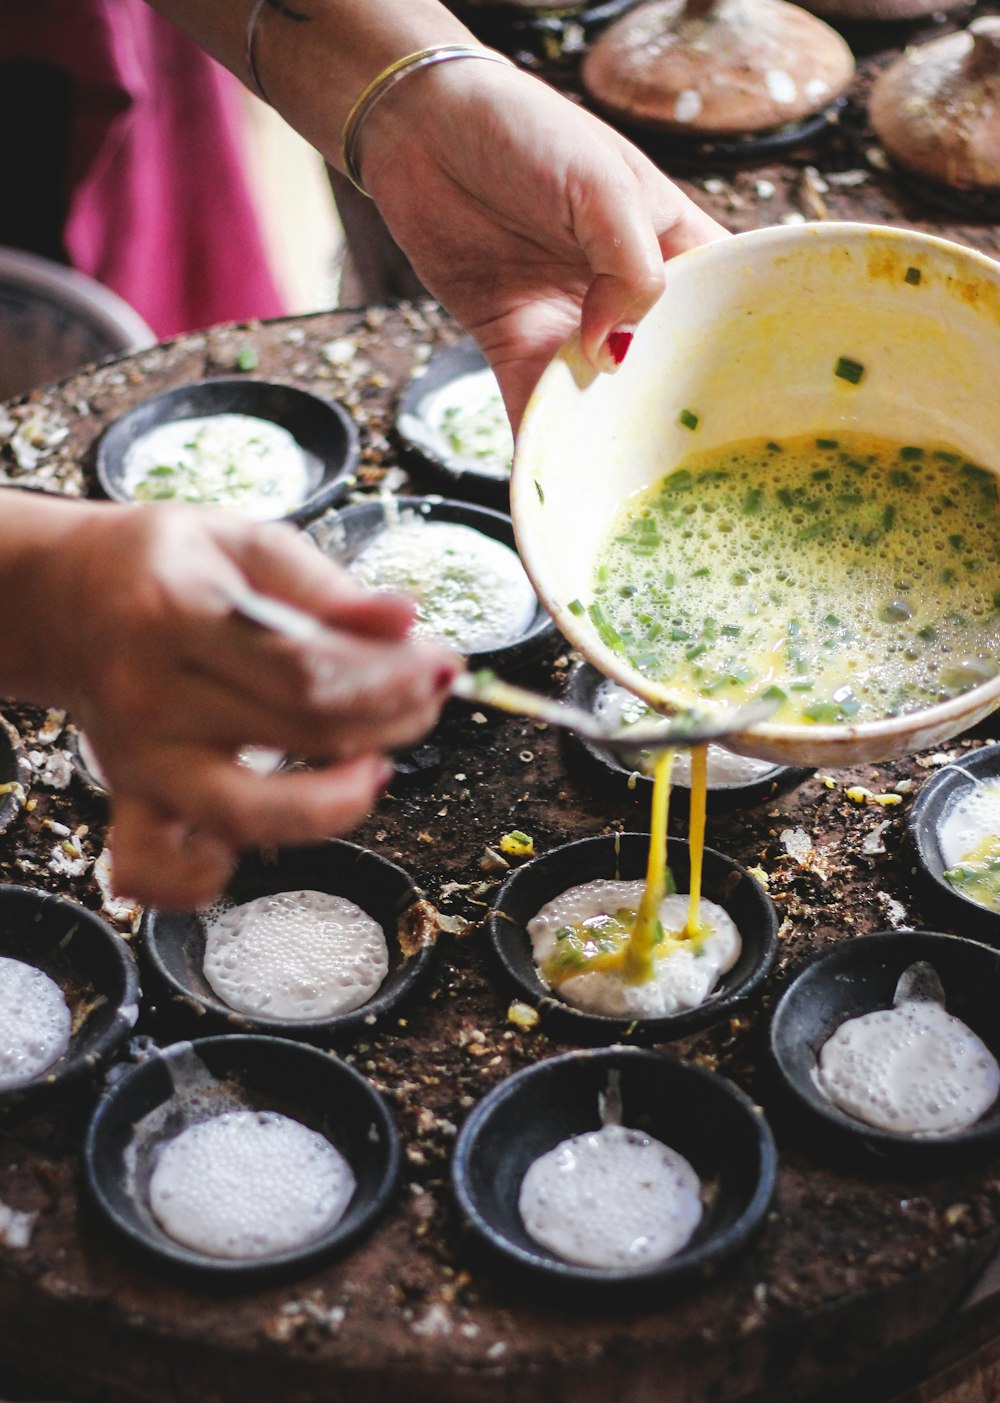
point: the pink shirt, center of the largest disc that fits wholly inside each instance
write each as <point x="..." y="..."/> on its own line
<point x="159" y="206"/>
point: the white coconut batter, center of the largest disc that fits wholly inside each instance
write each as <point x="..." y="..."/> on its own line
<point x="617" y="706"/>
<point x="913" y="1068"/>
<point x="35" y="1023"/>
<point x="612" y="1198"/>
<point x="581" y="918"/>
<point x="975" y="816"/>
<point x="295" y="955"/>
<point x="469" y="416"/>
<point x="248" y="465"/>
<point x="470" y="590"/>
<point x="249" y="1184"/>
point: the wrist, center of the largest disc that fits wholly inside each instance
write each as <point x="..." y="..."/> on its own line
<point x="41" y="558"/>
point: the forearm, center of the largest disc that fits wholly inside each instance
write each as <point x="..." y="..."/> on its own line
<point x="316" y="56"/>
<point x="36" y="533"/>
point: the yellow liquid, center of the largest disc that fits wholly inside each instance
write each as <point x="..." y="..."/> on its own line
<point x="636" y="939"/>
<point x="848" y="578"/>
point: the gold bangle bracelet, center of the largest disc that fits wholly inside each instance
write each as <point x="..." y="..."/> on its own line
<point x="383" y="82"/>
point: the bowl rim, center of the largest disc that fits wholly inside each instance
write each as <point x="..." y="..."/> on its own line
<point x="684" y="1263"/>
<point x="611" y="1028"/>
<point x="336" y="476"/>
<point x="880" y="738"/>
<point x="334" y="1242"/>
<point x="893" y="1145"/>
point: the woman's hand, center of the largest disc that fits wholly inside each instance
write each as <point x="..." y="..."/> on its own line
<point x="525" y="215"/>
<point x="170" y="685"/>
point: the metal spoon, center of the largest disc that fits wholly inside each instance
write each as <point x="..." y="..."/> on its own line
<point x="686" y="729"/>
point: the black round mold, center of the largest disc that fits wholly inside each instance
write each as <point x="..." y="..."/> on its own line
<point x="15" y="774"/>
<point x="344" y="534"/>
<point x="609" y="765"/>
<point x="625" y="856"/>
<point x="459" y="475"/>
<point x="708" y="1120"/>
<point x="859" y="976"/>
<point x="938" y="795"/>
<point x="257" y="1073"/>
<point x="323" y="430"/>
<point x="173" y="943"/>
<point x="681" y="151"/>
<point x="95" y="970"/>
<point x="979" y="204"/>
<point x="548" y="33"/>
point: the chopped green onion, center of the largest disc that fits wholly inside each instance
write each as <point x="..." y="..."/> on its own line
<point x="248" y="359"/>
<point x="847" y="369"/>
<point x="687" y="419"/>
<point x="575" y="607"/>
<point x="913" y="276"/>
<point x="541" y="494"/>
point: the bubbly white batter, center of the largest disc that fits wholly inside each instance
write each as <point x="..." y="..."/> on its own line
<point x="470" y="590"/>
<point x="973" y="817"/>
<point x="913" y="1068"/>
<point x="685" y="974"/>
<point x="295" y="955"/>
<point x="249" y="1184"/>
<point x="613" y="1198"/>
<point x="248" y="465"/>
<point x="468" y="415"/>
<point x="35" y="1023"/>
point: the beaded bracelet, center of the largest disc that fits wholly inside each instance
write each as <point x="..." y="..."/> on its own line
<point x="386" y="80"/>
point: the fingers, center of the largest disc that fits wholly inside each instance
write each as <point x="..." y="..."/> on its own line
<point x="317" y="698"/>
<point x="627" y="225"/>
<point x="216" y="796"/>
<point x="277" y="562"/>
<point x="159" y="861"/>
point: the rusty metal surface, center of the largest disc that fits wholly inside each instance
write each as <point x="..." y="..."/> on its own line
<point x="849" y="1264"/>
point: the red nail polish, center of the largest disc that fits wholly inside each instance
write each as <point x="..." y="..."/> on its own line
<point x="618" y="344"/>
<point x="443" y="679"/>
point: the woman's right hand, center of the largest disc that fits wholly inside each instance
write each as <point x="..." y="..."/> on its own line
<point x="169" y="685"/>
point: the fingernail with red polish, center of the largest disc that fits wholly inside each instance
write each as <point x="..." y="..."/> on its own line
<point x="443" y="679"/>
<point x="616" y="346"/>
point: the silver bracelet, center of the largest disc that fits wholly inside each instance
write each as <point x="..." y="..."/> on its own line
<point x="248" y="51"/>
<point x="385" y="81"/>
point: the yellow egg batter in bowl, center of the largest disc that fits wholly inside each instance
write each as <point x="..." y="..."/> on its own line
<point x="789" y="490"/>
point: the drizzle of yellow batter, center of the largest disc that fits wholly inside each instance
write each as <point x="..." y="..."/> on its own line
<point x="644" y="940"/>
<point x="637" y="966"/>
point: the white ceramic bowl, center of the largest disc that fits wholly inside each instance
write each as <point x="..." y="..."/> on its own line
<point x="748" y="333"/>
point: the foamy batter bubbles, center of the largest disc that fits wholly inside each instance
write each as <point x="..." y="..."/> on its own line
<point x="914" y="1069"/>
<point x="974" y="817"/>
<point x="296" y="955"/>
<point x="35" y="1023"/>
<point x="685" y="972"/>
<point x="612" y="1198"/>
<point x="470" y="590"/>
<point x="249" y="1184"/>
